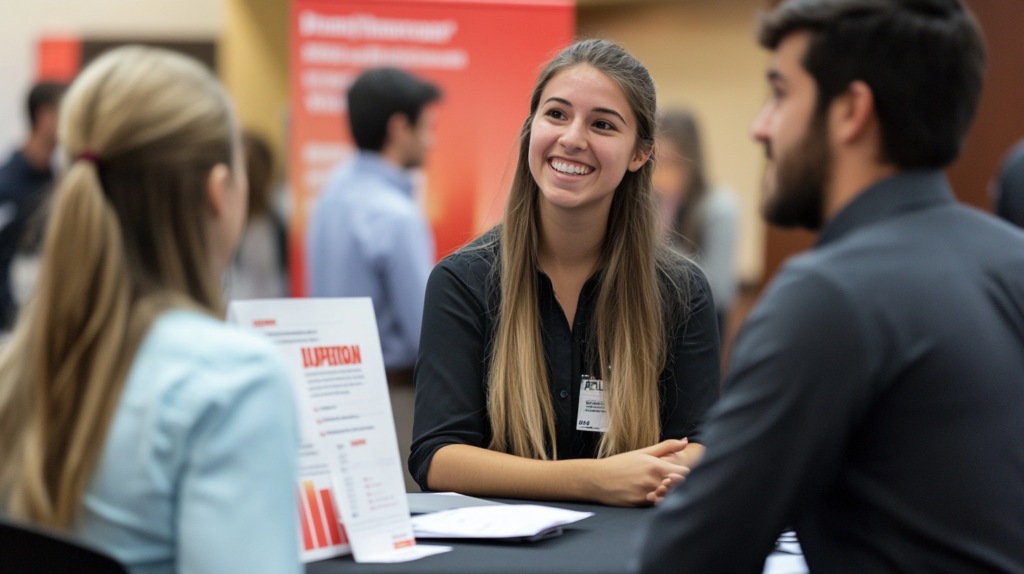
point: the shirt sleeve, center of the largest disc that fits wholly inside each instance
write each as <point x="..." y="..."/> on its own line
<point x="406" y="270"/>
<point x="774" y="440"/>
<point x="692" y="376"/>
<point x="451" y="404"/>
<point x="237" y="500"/>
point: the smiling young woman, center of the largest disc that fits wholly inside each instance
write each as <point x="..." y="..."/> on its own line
<point x="566" y="354"/>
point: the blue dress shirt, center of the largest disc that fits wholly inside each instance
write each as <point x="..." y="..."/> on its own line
<point x="368" y="238"/>
<point x="22" y="189"/>
<point x="198" y="474"/>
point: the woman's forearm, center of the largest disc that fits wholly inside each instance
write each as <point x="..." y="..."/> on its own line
<point x="688" y="457"/>
<point x="481" y="472"/>
<point x="625" y="479"/>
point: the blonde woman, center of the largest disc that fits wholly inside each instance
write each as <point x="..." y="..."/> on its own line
<point x="130" y="415"/>
<point x="567" y="309"/>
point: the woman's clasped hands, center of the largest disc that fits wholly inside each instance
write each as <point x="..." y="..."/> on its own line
<point x="640" y="477"/>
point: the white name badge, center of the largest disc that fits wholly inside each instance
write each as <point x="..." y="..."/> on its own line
<point x="592" y="415"/>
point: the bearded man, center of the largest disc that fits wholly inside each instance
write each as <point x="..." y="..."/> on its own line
<point x="875" y="401"/>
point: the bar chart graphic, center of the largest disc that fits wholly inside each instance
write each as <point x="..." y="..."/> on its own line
<point x="318" y="517"/>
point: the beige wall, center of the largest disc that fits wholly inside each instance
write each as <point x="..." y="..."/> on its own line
<point x="702" y="55"/>
<point x="253" y="62"/>
<point x="253" y="51"/>
<point x="23" y="22"/>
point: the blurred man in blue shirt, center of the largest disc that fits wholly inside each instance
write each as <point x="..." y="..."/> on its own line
<point x="368" y="236"/>
<point x="24" y="179"/>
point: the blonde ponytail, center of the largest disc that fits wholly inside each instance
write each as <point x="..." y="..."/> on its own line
<point x="83" y="287"/>
<point x="124" y="242"/>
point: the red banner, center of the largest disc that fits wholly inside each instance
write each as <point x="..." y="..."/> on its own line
<point x="484" y="55"/>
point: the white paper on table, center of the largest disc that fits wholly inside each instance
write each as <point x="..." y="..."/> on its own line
<point x="787" y="559"/>
<point x="509" y="521"/>
<point x="333" y="352"/>
<point x="406" y="554"/>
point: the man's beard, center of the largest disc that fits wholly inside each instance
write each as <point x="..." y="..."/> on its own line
<point x="801" y="175"/>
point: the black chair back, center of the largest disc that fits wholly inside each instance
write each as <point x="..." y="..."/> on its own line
<point x="27" y="550"/>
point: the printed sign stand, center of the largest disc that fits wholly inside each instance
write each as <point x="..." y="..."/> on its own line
<point x="349" y="462"/>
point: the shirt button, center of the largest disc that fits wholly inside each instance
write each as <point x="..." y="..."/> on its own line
<point x="564" y="394"/>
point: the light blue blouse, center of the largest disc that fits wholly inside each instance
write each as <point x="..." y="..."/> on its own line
<point x="198" y="474"/>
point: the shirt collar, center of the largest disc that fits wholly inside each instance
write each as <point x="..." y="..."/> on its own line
<point x="901" y="193"/>
<point x="373" y="163"/>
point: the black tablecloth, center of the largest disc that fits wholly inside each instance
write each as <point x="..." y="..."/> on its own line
<point x="600" y="544"/>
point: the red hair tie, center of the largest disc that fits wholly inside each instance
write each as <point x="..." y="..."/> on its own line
<point x="89" y="156"/>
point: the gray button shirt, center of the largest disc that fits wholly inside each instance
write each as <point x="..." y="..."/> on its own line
<point x="875" y="402"/>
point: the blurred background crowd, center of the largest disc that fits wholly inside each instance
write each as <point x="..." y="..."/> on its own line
<point x="707" y="70"/>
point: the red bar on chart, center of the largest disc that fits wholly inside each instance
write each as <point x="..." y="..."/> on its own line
<point x="316" y="514"/>
<point x="307" y="538"/>
<point x="332" y="518"/>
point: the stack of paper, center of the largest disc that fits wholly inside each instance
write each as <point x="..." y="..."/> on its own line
<point x="427" y="502"/>
<point x="788" y="557"/>
<point x="519" y="521"/>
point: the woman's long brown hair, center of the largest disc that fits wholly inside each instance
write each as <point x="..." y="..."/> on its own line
<point x="629" y="322"/>
<point x="141" y="130"/>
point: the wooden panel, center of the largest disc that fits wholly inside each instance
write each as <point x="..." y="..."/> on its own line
<point x="1000" y="119"/>
<point x="780" y="245"/>
<point x="203" y="50"/>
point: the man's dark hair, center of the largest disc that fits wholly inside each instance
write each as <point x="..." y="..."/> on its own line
<point x="923" y="59"/>
<point x="43" y="95"/>
<point x="377" y="95"/>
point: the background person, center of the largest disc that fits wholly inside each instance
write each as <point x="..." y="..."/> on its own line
<point x="1009" y="189"/>
<point x="572" y="290"/>
<point x="368" y="237"/>
<point x="875" y="394"/>
<point x="259" y="268"/>
<point x="698" y="219"/>
<point x="24" y="267"/>
<point x="130" y="415"/>
<point x="24" y="181"/>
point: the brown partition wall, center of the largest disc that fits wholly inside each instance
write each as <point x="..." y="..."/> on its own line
<point x="998" y="124"/>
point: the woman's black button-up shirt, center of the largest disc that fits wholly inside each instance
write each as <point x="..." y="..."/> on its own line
<point x="459" y="320"/>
